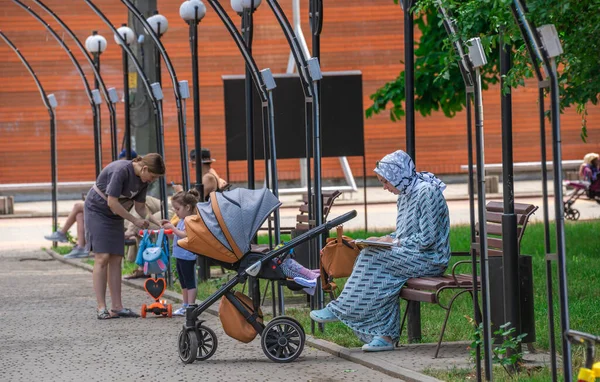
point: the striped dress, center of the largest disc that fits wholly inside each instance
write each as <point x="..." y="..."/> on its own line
<point x="369" y="302"/>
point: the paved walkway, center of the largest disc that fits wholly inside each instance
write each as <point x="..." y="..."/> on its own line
<point x="26" y="228"/>
<point x="49" y="329"/>
<point x="50" y="333"/>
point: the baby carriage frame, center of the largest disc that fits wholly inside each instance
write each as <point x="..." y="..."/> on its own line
<point x="580" y="188"/>
<point x="210" y="233"/>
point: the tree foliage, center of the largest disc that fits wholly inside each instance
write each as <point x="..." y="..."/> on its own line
<point x="438" y="83"/>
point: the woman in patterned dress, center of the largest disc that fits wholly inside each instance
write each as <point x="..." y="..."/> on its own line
<point x="420" y="247"/>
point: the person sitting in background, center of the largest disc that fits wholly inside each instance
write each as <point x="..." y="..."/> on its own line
<point x="210" y="179"/>
<point x="76" y="216"/>
<point x="588" y="170"/>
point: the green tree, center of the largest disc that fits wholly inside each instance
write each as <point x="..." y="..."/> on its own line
<point x="438" y="83"/>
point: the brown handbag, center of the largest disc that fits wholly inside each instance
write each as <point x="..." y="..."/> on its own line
<point x="337" y="259"/>
<point x="234" y="323"/>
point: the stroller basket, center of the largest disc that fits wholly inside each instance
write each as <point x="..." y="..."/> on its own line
<point x="282" y="338"/>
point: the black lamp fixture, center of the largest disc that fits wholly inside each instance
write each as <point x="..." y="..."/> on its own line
<point x="246" y="8"/>
<point x="192" y="12"/>
<point x="96" y="45"/>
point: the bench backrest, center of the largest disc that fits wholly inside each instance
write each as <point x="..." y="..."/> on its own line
<point x="302" y="221"/>
<point x="493" y="218"/>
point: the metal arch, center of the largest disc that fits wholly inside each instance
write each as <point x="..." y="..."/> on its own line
<point x="111" y="108"/>
<point x="239" y="41"/>
<point x="290" y="35"/>
<point x="88" y="91"/>
<point x="52" y="127"/>
<point x="30" y="70"/>
<point x="466" y="69"/>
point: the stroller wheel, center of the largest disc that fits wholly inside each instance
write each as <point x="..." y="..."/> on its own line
<point x="575" y="215"/>
<point x="188" y="346"/>
<point x="283" y="339"/>
<point x="208" y="343"/>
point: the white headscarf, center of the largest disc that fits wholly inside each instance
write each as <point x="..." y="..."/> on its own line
<point x="399" y="169"/>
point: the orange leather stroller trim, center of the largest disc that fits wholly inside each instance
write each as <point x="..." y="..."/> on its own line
<point x="219" y="216"/>
<point x="201" y="241"/>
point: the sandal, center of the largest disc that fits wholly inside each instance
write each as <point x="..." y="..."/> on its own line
<point x="125" y="313"/>
<point x="323" y="315"/>
<point x="103" y="314"/>
<point x="137" y="274"/>
<point x="378" y="344"/>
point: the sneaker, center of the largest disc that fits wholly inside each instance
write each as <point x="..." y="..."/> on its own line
<point x="57" y="236"/>
<point x="77" y="253"/>
<point x="291" y="268"/>
<point x="179" y="312"/>
<point x="305" y="282"/>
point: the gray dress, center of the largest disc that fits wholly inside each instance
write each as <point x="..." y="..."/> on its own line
<point x="369" y="302"/>
<point x="103" y="228"/>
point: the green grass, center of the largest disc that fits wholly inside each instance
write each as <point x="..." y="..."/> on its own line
<point x="531" y="375"/>
<point x="583" y="266"/>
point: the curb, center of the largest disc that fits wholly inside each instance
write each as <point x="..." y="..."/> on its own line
<point x="326" y="346"/>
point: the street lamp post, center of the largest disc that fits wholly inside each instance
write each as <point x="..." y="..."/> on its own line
<point x="545" y="46"/>
<point x="96" y="45"/>
<point x="246" y="8"/>
<point x="128" y="37"/>
<point x="156" y="26"/>
<point x="478" y="59"/>
<point x="543" y="84"/>
<point x="192" y="12"/>
<point x="467" y="73"/>
<point x="159" y="25"/>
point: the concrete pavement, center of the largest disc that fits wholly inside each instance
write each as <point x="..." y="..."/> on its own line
<point x="26" y="228"/>
<point x="50" y="333"/>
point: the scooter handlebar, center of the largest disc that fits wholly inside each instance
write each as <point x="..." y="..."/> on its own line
<point x="167" y="231"/>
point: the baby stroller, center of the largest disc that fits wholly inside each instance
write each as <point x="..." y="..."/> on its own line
<point x="222" y="230"/>
<point x="580" y="188"/>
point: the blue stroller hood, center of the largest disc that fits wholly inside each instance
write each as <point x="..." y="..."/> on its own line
<point x="225" y="225"/>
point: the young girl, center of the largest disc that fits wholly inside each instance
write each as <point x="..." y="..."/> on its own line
<point x="184" y="204"/>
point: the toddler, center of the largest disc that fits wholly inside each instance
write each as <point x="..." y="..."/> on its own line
<point x="184" y="204"/>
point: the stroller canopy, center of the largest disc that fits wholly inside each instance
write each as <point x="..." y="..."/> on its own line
<point x="225" y="225"/>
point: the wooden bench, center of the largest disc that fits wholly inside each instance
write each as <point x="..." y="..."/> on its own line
<point x="302" y="221"/>
<point x="429" y="289"/>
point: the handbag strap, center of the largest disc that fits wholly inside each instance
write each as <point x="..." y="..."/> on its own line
<point x="340" y="235"/>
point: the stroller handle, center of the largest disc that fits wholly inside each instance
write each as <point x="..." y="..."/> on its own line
<point x="340" y="219"/>
<point x="167" y="231"/>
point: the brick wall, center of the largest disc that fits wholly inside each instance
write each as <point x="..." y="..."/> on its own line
<point x="357" y="35"/>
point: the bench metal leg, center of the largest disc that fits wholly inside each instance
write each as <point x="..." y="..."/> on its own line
<point x="448" y="310"/>
<point x="402" y="323"/>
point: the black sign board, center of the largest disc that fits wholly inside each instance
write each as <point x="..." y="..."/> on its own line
<point x="342" y="116"/>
